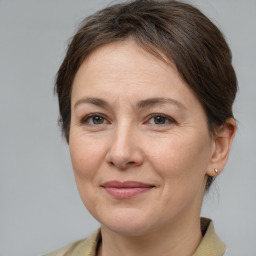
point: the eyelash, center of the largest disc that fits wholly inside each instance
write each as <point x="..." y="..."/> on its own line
<point x="86" y="119"/>
<point x="165" y="117"/>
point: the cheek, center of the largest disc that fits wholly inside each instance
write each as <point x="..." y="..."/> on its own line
<point x="182" y="170"/>
<point x="85" y="156"/>
<point x="86" y="159"/>
<point x="181" y="159"/>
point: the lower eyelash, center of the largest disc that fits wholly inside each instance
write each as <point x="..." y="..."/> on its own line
<point x="87" y="117"/>
<point x="169" y="119"/>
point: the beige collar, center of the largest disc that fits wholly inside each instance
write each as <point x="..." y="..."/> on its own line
<point x="210" y="245"/>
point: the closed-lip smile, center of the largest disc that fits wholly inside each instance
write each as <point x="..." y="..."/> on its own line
<point x="127" y="189"/>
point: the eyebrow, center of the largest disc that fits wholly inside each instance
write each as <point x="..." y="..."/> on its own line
<point x="156" y="101"/>
<point x="95" y="101"/>
<point x="141" y="104"/>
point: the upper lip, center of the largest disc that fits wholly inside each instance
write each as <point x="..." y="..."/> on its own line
<point x="126" y="184"/>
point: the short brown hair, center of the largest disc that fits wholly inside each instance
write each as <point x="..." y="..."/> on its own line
<point x="179" y="31"/>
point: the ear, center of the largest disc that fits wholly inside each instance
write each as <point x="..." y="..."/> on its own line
<point x="221" y="147"/>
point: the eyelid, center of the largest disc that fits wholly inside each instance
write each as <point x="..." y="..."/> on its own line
<point x="85" y="119"/>
<point x="170" y="119"/>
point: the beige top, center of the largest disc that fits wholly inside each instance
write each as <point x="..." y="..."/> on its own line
<point x="210" y="245"/>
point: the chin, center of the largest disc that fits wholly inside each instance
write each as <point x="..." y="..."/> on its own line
<point x="127" y="229"/>
<point x="128" y="222"/>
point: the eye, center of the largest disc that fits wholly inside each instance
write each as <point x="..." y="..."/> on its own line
<point x="94" y="119"/>
<point x="160" y="119"/>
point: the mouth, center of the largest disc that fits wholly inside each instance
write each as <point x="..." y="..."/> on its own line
<point x="127" y="189"/>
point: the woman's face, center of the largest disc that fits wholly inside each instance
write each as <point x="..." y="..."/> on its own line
<point x="139" y="142"/>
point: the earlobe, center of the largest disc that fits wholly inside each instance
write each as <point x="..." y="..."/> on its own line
<point x="222" y="145"/>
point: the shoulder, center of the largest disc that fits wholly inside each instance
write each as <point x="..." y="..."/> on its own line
<point x="84" y="247"/>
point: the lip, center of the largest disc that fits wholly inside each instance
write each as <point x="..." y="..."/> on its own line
<point x="127" y="189"/>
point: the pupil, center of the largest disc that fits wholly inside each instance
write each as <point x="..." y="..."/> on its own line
<point x="159" y="120"/>
<point x="97" y="120"/>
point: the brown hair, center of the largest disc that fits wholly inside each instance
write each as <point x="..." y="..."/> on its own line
<point x="179" y="31"/>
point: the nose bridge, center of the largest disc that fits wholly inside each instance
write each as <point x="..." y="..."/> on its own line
<point x="124" y="149"/>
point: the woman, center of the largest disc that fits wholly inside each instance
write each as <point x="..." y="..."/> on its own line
<point x="145" y="95"/>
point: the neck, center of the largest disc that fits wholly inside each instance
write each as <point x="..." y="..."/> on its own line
<point x="177" y="239"/>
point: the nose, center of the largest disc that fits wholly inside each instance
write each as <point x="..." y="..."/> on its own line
<point x="125" y="151"/>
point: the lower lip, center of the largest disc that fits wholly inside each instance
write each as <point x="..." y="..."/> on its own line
<point x="125" y="193"/>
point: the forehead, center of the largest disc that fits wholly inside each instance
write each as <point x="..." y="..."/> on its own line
<point x="124" y="66"/>
<point x="122" y="59"/>
<point x="126" y="54"/>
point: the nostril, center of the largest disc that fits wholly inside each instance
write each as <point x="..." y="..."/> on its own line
<point x="131" y="163"/>
<point x="111" y="163"/>
<point x="123" y="166"/>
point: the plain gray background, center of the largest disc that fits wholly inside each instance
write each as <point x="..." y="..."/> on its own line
<point x="40" y="209"/>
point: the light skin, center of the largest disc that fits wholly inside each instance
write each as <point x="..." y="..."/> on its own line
<point x="134" y="119"/>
